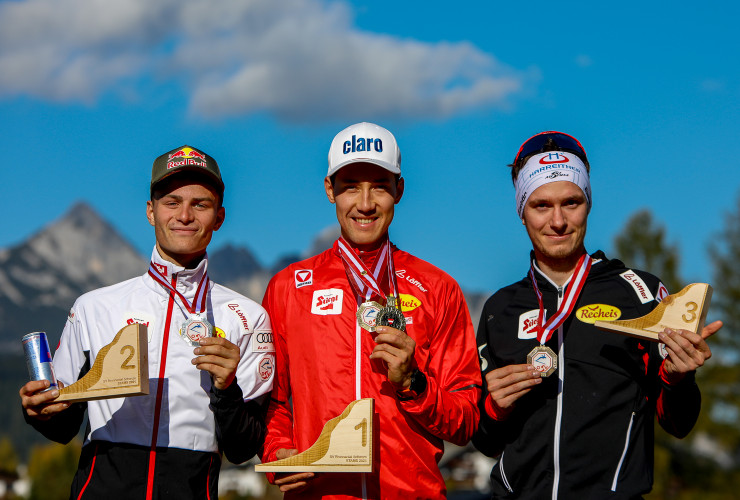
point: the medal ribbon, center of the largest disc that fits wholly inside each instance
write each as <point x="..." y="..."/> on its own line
<point x="365" y="282"/>
<point x="544" y="332"/>
<point x="199" y="301"/>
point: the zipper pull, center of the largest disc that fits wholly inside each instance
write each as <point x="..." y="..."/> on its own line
<point x="560" y="292"/>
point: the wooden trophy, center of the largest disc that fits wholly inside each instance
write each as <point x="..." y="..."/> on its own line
<point x="120" y="369"/>
<point x="685" y="310"/>
<point x="344" y="445"/>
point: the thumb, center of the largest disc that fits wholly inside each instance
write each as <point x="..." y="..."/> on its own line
<point x="711" y="329"/>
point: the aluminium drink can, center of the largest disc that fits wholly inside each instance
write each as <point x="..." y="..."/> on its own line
<point x="38" y="358"/>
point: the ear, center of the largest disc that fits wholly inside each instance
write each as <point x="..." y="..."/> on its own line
<point x="329" y="189"/>
<point x="150" y="211"/>
<point x="399" y="189"/>
<point x="220" y="217"/>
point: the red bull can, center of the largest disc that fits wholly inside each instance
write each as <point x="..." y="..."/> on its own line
<point x="38" y="358"/>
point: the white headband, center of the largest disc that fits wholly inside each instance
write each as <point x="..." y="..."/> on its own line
<point x="544" y="168"/>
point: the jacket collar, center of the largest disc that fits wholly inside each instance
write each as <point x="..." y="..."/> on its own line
<point x="187" y="279"/>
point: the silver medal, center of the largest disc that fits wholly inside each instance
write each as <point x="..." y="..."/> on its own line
<point x="195" y="328"/>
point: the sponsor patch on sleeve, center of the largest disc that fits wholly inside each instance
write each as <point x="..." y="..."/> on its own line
<point x="303" y="277"/>
<point x="662" y="350"/>
<point x="640" y="287"/>
<point x="262" y="341"/>
<point x="265" y="367"/>
<point x="662" y="293"/>
<point x="71" y="316"/>
<point x="528" y="324"/>
<point x="327" y="301"/>
<point x="242" y="317"/>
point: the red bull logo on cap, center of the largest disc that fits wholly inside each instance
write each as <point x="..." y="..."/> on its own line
<point x="186" y="156"/>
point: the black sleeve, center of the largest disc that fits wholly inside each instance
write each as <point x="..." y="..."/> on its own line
<point x="240" y="425"/>
<point x="63" y="426"/>
<point x="487" y="438"/>
<point x="679" y="406"/>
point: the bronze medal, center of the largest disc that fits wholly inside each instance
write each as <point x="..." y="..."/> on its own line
<point x="543" y="359"/>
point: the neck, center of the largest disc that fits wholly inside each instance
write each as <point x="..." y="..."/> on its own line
<point x="558" y="270"/>
<point x="185" y="261"/>
<point x="366" y="247"/>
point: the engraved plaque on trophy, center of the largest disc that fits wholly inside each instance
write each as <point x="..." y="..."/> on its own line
<point x="344" y="445"/>
<point x="121" y="368"/>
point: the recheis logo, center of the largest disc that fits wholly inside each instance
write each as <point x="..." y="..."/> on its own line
<point x="186" y="156"/>
<point x="554" y="157"/>
<point x="303" y="277"/>
<point x="408" y="302"/>
<point x="598" y="312"/>
<point x="326" y="302"/>
<point x="528" y="324"/>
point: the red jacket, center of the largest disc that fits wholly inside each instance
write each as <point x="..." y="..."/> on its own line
<point x="323" y="363"/>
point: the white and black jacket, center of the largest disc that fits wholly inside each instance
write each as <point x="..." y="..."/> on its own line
<point x="166" y="444"/>
<point x="585" y="432"/>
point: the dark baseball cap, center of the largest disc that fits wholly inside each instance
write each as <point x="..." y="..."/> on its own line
<point x="186" y="159"/>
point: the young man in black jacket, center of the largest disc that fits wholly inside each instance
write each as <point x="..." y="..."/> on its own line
<point x="569" y="409"/>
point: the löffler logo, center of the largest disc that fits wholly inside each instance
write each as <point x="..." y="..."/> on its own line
<point x="242" y="317"/>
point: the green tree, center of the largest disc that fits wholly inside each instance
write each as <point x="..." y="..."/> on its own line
<point x="51" y="469"/>
<point x="681" y="472"/>
<point x="642" y="244"/>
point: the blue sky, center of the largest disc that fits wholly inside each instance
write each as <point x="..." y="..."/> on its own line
<point x="92" y="91"/>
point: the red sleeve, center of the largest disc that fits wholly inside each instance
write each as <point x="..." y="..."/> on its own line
<point x="448" y="407"/>
<point x="279" y="414"/>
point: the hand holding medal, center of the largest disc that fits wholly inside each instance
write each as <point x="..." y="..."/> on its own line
<point x="394" y="347"/>
<point x="542" y="358"/>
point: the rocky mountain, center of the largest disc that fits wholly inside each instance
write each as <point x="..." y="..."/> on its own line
<point x="41" y="277"/>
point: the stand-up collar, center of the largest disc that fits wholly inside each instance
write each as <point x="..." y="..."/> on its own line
<point x="187" y="279"/>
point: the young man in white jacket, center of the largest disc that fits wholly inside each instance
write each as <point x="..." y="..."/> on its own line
<point x="204" y="393"/>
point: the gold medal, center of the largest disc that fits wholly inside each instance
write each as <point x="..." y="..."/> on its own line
<point x="391" y="315"/>
<point x="367" y="314"/>
<point x="543" y="359"/>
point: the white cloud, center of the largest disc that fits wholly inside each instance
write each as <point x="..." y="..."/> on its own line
<point x="298" y="59"/>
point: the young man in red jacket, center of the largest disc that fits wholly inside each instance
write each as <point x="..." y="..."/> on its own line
<point x="425" y="380"/>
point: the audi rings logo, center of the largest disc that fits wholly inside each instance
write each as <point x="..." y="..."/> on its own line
<point x="262" y="341"/>
<point x="263" y="337"/>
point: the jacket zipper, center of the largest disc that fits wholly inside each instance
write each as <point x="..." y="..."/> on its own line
<point x="624" y="452"/>
<point x="503" y="474"/>
<point x="559" y="411"/>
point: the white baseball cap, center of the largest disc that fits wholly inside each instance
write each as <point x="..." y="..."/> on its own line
<point x="364" y="142"/>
